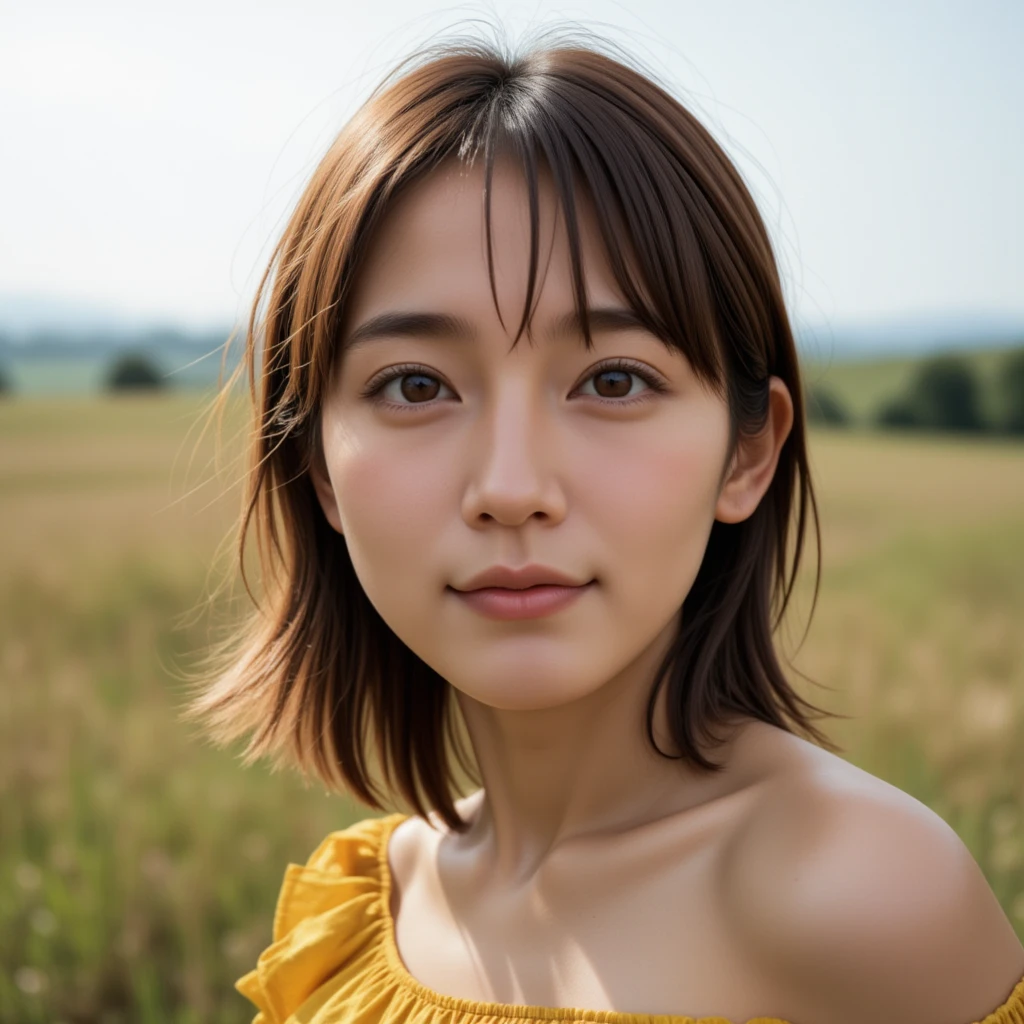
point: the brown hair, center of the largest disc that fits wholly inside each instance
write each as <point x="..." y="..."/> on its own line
<point x="316" y="673"/>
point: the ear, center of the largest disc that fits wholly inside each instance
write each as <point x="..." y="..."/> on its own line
<point x="754" y="461"/>
<point x="324" y="489"/>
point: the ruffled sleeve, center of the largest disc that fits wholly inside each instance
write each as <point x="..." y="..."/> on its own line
<point x="328" y="918"/>
<point x="333" y="957"/>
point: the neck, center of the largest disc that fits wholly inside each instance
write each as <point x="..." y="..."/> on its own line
<point x="578" y="770"/>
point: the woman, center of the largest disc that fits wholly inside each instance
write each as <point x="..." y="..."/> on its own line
<point x="575" y="550"/>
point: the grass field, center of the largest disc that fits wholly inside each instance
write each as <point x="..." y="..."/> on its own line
<point x="139" y="867"/>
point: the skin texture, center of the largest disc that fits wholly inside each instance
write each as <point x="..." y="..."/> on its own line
<point x="595" y="873"/>
<point x="520" y="459"/>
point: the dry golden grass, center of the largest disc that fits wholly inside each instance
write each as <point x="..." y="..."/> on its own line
<point x="139" y="867"/>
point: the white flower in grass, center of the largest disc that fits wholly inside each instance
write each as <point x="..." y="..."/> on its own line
<point x="29" y="980"/>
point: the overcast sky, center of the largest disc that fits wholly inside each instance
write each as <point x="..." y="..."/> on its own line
<point x="151" y="152"/>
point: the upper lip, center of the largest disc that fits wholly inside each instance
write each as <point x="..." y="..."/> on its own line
<point x="519" y="579"/>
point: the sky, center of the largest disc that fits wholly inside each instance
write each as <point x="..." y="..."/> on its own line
<point x="151" y="153"/>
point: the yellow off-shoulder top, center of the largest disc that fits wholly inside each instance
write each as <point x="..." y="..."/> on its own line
<point x="334" y="959"/>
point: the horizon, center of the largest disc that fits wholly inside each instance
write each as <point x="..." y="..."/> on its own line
<point x="93" y="329"/>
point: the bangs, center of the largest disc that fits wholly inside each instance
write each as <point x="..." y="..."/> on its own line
<point x="644" y="226"/>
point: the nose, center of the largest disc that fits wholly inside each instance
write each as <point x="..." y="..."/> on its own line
<point x="515" y="460"/>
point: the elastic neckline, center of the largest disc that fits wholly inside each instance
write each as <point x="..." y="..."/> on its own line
<point x="402" y="976"/>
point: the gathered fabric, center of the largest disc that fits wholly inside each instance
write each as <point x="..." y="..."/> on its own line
<point x="334" y="959"/>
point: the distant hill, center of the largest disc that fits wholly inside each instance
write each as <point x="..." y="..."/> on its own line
<point x="25" y="316"/>
<point x="914" y="334"/>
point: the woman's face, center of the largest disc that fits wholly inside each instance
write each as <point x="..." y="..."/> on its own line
<point x="483" y="456"/>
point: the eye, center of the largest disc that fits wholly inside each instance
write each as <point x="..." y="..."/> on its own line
<point x="422" y="386"/>
<point x="615" y="376"/>
<point x="419" y="388"/>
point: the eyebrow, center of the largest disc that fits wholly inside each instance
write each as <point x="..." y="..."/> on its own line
<point x="395" y="324"/>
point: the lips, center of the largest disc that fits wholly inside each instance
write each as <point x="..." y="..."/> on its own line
<point x="523" y="603"/>
<point x="532" y="575"/>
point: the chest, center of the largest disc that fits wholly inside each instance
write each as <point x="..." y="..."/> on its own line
<point x="654" y="936"/>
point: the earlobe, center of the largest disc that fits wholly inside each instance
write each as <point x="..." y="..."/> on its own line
<point x="753" y="465"/>
<point x="325" y="492"/>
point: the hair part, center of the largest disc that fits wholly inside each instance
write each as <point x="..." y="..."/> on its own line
<point x="316" y="676"/>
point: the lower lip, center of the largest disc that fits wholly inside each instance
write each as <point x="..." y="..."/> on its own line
<point x="502" y="603"/>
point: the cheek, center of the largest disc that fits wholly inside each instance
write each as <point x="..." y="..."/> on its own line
<point x="655" y="510"/>
<point x="385" y="498"/>
<point x="390" y="506"/>
<point x="384" y="489"/>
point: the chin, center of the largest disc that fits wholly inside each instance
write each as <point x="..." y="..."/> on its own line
<point x="539" y="694"/>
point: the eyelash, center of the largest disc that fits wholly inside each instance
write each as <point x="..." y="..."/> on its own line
<point x="376" y="385"/>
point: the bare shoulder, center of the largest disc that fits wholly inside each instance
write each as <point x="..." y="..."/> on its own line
<point x="865" y="904"/>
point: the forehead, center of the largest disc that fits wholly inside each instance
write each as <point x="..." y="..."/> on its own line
<point x="430" y="248"/>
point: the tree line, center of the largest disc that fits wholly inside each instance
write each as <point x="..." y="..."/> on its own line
<point x="945" y="394"/>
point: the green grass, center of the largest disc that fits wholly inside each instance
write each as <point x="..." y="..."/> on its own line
<point x="139" y="866"/>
